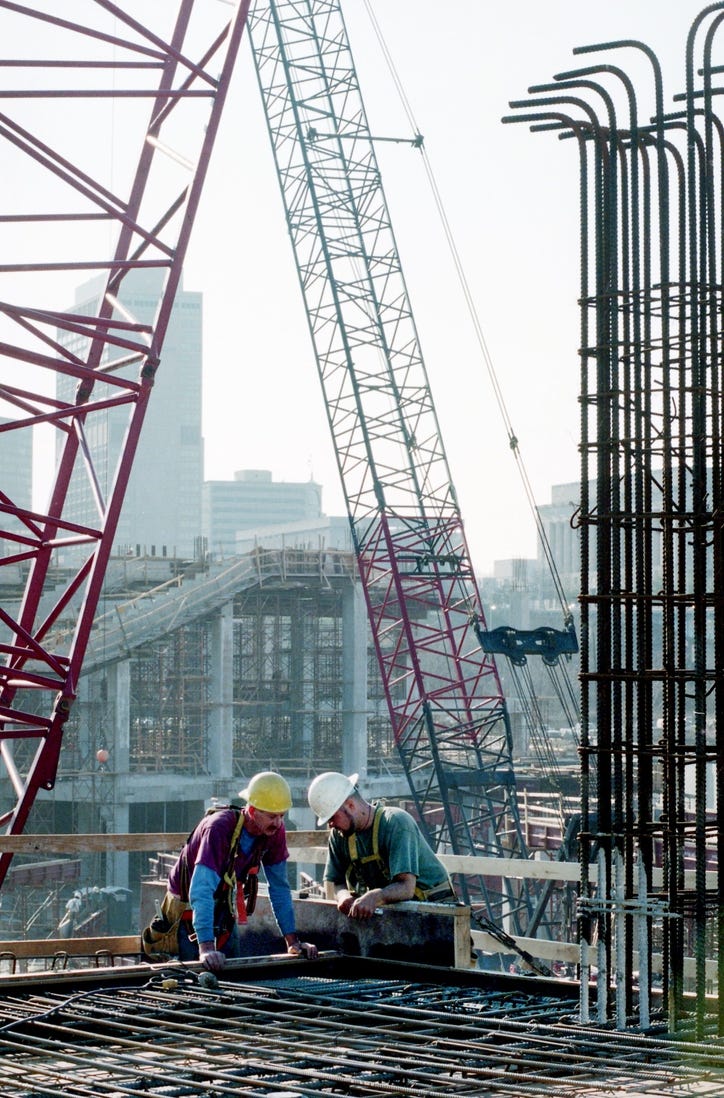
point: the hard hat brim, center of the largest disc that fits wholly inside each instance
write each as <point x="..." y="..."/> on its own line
<point x="322" y="820"/>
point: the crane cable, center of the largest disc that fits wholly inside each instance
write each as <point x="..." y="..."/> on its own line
<point x="512" y="438"/>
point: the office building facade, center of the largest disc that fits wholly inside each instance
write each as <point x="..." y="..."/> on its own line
<point x="161" y="514"/>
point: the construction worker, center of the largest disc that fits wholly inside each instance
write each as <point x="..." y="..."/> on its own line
<point x="376" y="854"/>
<point x="215" y="878"/>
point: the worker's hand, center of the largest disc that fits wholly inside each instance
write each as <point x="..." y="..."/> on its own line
<point x="365" y="905"/>
<point x="211" y="957"/>
<point x="345" y="903"/>
<point x="302" y="949"/>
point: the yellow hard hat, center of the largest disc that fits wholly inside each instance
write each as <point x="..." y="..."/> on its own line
<point x="268" y="792"/>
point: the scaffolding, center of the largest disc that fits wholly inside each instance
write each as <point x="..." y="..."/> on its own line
<point x="170" y="702"/>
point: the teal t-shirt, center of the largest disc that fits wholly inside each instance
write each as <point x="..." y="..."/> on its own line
<point x="402" y="848"/>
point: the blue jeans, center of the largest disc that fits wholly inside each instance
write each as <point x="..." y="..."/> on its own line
<point x="189" y="950"/>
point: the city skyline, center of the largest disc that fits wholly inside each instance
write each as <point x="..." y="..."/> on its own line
<point x="511" y="201"/>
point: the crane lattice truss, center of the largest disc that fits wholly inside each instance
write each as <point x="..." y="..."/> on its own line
<point x="76" y="202"/>
<point x="651" y="513"/>
<point x="449" y="716"/>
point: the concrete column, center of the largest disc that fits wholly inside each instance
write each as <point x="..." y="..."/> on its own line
<point x="118" y="685"/>
<point x="220" y="727"/>
<point x="301" y="686"/>
<point x="354" y="681"/>
<point x="118" y="742"/>
<point x="117" y="868"/>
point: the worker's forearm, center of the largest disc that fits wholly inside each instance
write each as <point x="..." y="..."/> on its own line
<point x="395" y="892"/>
<point x="201" y="898"/>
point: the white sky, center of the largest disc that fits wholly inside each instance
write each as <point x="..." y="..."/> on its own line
<point x="512" y="200"/>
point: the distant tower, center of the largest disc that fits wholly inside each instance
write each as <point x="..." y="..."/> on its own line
<point x="162" y="509"/>
<point x="253" y="500"/>
<point x="16" y="475"/>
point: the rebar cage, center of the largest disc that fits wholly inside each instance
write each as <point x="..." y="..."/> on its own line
<point x="650" y="515"/>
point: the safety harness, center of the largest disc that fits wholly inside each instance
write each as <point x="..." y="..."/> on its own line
<point x="160" y="938"/>
<point x="245" y="890"/>
<point x="229" y="889"/>
<point x="371" y="871"/>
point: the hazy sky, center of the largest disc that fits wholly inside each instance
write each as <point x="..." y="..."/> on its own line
<point x="511" y="199"/>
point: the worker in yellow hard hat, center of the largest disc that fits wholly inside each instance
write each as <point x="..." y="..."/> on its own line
<point x="376" y="854"/>
<point x="214" y="881"/>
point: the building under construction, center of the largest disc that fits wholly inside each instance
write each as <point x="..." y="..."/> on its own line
<point x="196" y="677"/>
<point x="195" y="681"/>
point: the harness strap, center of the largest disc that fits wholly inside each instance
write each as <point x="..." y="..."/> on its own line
<point x="185" y="875"/>
<point x="438" y="891"/>
<point x="241" y="893"/>
<point x="375" y="855"/>
<point x="238" y="828"/>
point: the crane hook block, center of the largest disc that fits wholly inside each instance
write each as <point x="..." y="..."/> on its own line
<point x="518" y="644"/>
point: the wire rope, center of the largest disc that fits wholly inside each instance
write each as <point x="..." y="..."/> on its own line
<point x="480" y="336"/>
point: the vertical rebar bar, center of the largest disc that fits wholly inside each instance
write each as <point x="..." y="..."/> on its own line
<point x="651" y="522"/>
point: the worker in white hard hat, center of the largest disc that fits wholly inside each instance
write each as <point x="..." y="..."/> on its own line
<point x="376" y="854"/>
<point x="214" y="881"/>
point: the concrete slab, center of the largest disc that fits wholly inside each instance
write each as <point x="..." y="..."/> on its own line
<point x="422" y="933"/>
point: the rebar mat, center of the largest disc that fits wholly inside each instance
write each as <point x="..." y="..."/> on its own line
<point x="309" y="1036"/>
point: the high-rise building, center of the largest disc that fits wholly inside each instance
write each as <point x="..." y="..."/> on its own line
<point x="16" y="473"/>
<point x="253" y="501"/>
<point x="161" y="514"/>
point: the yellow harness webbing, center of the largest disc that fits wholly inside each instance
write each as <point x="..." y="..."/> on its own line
<point x="229" y="877"/>
<point x="358" y="863"/>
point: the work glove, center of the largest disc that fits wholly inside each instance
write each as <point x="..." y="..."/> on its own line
<point x="211" y="957"/>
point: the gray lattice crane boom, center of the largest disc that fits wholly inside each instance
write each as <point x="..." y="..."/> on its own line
<point x="448" y="712"/>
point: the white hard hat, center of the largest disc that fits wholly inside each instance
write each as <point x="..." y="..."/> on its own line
<point x="328" y="792"/>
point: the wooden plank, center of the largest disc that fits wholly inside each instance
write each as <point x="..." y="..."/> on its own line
<point x="570" y="953"/>
<point x="124" y="945"/>
<point x="311" y="847"/>
<point x="90" y="844"/>
<point x="312" y="855"/>
<point x="543" y="948"/>
<point x="511" y="867"/>
<point x="152" y="841"/>
<point x="306" y="845"/>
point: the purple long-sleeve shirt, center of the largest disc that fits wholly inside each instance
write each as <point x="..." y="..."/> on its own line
<point x="209" y="847"/>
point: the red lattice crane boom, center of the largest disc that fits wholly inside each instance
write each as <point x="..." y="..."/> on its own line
<point x="158" y="75"/>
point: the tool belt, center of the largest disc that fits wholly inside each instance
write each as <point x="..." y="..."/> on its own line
<point x="441" y="894"/>
<point x="159" y="940"/>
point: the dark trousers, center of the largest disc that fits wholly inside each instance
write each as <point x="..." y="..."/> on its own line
<point x="189" y="950"/>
